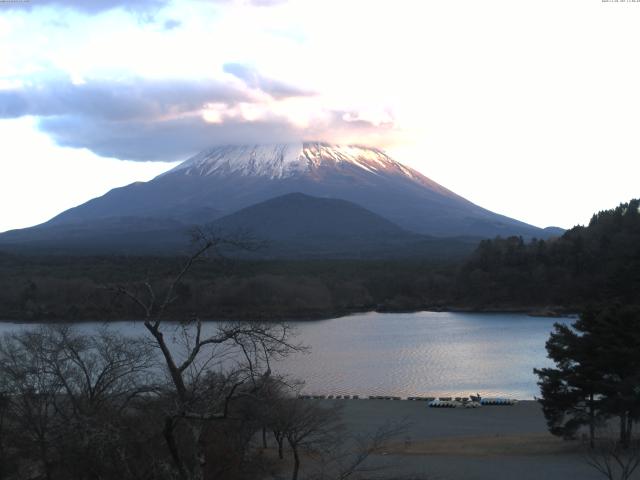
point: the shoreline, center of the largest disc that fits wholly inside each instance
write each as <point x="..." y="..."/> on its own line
<point x="422" y="399"/>
<point x="539" y="311"/>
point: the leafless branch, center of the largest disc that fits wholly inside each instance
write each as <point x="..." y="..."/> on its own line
<point x="613" y="460"/>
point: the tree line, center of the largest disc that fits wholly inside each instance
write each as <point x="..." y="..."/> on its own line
<point x="587" y="265"/>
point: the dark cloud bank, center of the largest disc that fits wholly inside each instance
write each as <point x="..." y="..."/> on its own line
<point x="159" y="120"/>
<point x="166" y="140"/>
<point x="115" y="100"/>
<point x="140" y="119"/>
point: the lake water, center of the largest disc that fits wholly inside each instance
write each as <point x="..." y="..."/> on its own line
<point x="411" y="354"/>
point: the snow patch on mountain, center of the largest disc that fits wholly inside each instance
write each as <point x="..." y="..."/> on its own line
<point x="273" y="161"/>
<point x="285" y="160"/>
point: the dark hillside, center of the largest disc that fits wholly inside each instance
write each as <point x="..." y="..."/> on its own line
<point x="592" y="264"/>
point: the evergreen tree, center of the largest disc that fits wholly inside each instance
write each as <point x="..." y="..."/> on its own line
<point x="617" y="333"/>
<point x="569" y="391"/>
<point x="597" y="373"/>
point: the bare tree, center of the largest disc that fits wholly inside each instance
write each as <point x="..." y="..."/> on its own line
<point x="308" y="427"/>
<point x="273" y="395"/>
<point x="314" y="430"/>
<point x="98" y="371"/>
<point x="612" y="459"/>
<point x="104" y="377"/>
<point x="349" y="455"/>
<point x="69" y="397"/>
<point x="31" y="392"/>
<point x="4" y="455"/>
<point x="242" y="350"/>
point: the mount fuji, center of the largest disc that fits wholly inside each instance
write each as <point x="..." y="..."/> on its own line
<point x="224" y="180"/>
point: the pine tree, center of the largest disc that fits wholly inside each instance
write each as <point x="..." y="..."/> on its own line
<point x="597" y="373"/>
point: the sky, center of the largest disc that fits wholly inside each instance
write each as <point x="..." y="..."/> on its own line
<point x="527" y="108"/>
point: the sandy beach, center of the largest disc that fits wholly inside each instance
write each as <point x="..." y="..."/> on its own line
<point x="491" y="442"/>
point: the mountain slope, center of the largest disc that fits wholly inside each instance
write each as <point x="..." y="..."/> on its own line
<point x="119" y="235"/>
<point x="296" y="215"/>
<point x="222" y="180"/>
<point x="300" y="226"/>
<point x="291" y="226"/>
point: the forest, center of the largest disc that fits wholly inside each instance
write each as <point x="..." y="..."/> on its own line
<point x="591" y="264"/>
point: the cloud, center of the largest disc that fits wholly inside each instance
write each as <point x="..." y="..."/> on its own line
<point x="168" y="120"/>
<point x="111" y="100"/>
<point x="253" y="79"/>
<point x="136" y="119"/>
<point x="168" y="140"/>
<point x="90" y="6"/>
<point x="12" y="105"/>
<point x="178" y="138"/>
<point x="171" y="24"/>
<point x="337" y="126"/>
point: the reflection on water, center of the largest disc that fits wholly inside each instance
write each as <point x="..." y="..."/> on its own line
<point x="410" y="354"/>
<point x="426" y="353"/>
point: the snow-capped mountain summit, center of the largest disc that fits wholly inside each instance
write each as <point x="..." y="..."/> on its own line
<point x="272" y="161"/>
<point x="289" y="159"/>
<point x="225" y="179"/>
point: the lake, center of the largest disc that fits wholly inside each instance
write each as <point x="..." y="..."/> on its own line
<point x="411" y="354"/>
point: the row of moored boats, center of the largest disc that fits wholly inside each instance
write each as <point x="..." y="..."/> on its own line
<point x="434" y="402"/>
